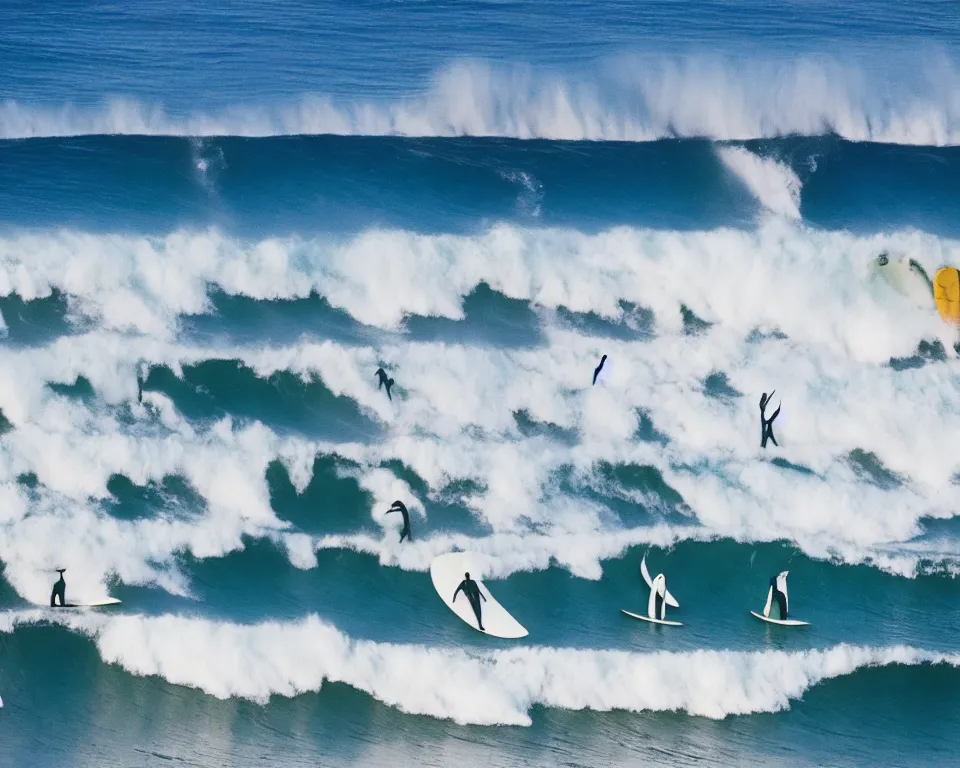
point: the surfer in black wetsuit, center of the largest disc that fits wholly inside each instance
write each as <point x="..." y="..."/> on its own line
<point x="474" y="595"/>
<point x="59" y="590"/>
<point x="398" y="506"/>
<point x="766" y="425"/>
<point x="780" y="598"/>
<point x="384" y="381"/>
<point x="596" y="371"/>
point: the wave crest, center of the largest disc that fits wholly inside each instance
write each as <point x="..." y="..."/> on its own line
<point x="494" y="688"/>
<point x="629" y="99"/>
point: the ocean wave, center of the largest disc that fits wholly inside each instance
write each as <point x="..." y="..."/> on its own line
<point x="444" y="434"/>
<point x="629" y="99"/>
<point x="836" y="299"/>
<point x="495" y="688"/>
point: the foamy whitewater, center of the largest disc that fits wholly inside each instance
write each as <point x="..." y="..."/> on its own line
<point x="249" y="212"/>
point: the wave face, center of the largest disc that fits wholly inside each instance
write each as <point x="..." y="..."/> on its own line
<point x="212" y="236"/>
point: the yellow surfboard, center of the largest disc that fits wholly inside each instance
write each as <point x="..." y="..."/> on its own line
<point x="946" y="292"/>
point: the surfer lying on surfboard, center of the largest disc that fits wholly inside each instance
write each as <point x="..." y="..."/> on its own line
<point x="59" y="590"/>
<point x="473" y="593"/>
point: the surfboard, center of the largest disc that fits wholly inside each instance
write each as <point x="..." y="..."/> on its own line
<point x="904" y="276"/>
<point x="446" y="572"/>
<point x="652" y="621"/>
<point x="606" y="373"/>
<point x="91" y="604"/>
<point x="946" y="293"/>
<point x="781" y="622"/>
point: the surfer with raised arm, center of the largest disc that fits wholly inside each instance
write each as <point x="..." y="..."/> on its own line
<point x="59" y="590"/>
<point x="473" y="593"/>
<point x="398" y="506"/>
<point x="766" y="425"/>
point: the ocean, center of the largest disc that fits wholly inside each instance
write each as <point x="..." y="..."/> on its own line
<point x="252" y="207"/>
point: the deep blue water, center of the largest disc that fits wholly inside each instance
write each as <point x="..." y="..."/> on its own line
<point x="253" y="207"/>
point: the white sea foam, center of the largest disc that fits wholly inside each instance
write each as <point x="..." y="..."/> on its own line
<point x="774" y="184"/>
<point x="449" y="433"/>
<point x="627" y="99"/>
<point x="492" y="688"/>
<point x="825" y="290"/>
<point x="452" y="415"/>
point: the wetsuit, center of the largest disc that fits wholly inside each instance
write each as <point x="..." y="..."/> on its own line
<point x="474" y="595"/>
<point x="59" y="590"/>
<point x="766" y="425"/>
<point x="780" y="598"/>
<point x="384" y="381"/>
<point x="398" y="506"/>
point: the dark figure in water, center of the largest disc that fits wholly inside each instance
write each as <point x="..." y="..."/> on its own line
<point x="384" y="381"/>
<point x="780" y="598"/>
<point x="766" y="425"/>
<point x="139" y="389"/>
<point x="474" y="595"/>
<point x="398" y="506"/>
<point x="59" y="590"/>
<point x="596" y="371"/>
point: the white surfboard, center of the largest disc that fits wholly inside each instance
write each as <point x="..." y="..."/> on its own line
<point x="447" y="571"/>
<point x="781" y="622"/>
<point x="652" y="621"/>
<point x="606" y="373"/>
<point x="897" y="272"/>
<point x="91" y="603"/>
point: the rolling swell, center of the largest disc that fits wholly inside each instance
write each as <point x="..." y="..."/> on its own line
<point x="343" y="184"/>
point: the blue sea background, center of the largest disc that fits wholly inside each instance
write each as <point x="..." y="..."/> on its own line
<point x="254" y="206"/>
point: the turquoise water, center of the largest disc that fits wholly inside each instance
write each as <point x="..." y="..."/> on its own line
<point x="254" y="208"/>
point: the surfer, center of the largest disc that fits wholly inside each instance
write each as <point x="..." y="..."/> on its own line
<point x="384" y="381"/>
<point x="778" y="594"/>
<point x="473" y="593"/>
<point x="398" y="506"/>
<point x="59" y="590"/>
<point x="596" y="371"/>
<point x="766" y="425"/>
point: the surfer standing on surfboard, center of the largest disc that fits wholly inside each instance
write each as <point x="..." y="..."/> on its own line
<point x="777" y="585"/>
<point x="473" y="593"/>
<point x="59" y="590"/>
<point x="766" y="425"/>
